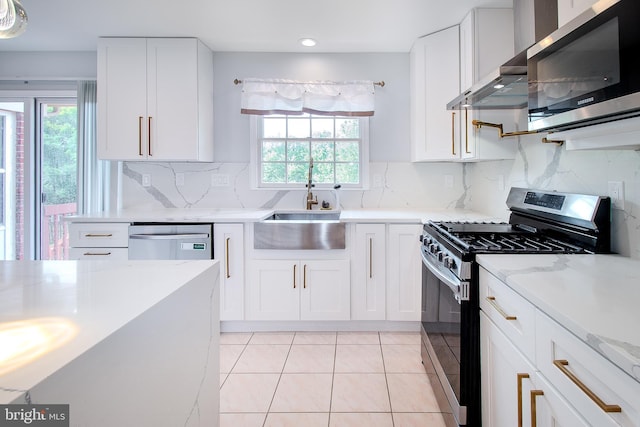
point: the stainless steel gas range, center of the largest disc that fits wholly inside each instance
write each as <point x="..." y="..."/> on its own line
<point x="540" y="222"/>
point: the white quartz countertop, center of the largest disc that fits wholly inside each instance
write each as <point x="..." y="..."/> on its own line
<point x="254" y="215"/>
<point x="596" y="297"/>
<point x="54" y="311"/>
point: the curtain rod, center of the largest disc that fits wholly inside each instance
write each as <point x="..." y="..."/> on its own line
<point x="380" y="83"/>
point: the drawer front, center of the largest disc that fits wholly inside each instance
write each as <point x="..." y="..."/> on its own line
<point x="510" y="312"/>
<point x="98" y="235"/>
<point x="97" y="254"/>
<point x="591" y="383"/>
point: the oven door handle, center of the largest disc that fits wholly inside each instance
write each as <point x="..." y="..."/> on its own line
<point x="459" y="288"/>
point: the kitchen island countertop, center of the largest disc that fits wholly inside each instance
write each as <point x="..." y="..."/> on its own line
<point x="87" y="326"/>
<point x="593" y="296"/>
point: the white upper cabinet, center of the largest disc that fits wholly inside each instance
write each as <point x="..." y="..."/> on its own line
<point x="155" y="99"/>
<point x="434" y="81"/>
<point x="444" y="64"/>
<point x="486" y="42"/>
<point x="569" y="9"/>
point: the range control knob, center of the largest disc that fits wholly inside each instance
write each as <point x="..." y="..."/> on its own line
<point x="433" y="248"/>
<point x="449" y="262"/>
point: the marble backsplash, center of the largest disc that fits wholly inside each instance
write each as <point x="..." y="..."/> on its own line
<point x="481" y="186"/>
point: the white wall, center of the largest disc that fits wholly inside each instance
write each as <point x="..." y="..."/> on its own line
<point x="389" y="130"/>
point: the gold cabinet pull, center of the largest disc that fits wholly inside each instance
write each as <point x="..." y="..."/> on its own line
<point x="562" y="365"/>
<point x="98" y="235"/>
<point x="304" y="276"/>
<point x="520" y="378"/>
<point x="453" y="133"/>
<point x="96" y="253"/>
<point x="370" y="258"/>
<point x="494" y="304"/>
<point x="294" y="276"/>
<point x="466" y="131"/>
<point x="140" y="135"/>
<point x="534" y="415"/>
<point x="227" y="257"/>
<point x="149" y="136"/>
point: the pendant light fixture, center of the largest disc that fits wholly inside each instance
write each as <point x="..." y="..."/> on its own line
<point x="13" y="19"/>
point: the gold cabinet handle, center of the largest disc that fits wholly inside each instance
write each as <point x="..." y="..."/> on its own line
<point x="370" y="258"/>
<point x="466" y="131"/>
<point x="98" y="235"/>
<point x="534" y="415"/>
<point x="562" y="365"/>
<point x="453" y="133"/>
<point x="149" y="136"/>
<point x="140" y="135"/>
<point x="304" y="277"/>
<point x="96" y="253"/>
<point x="227" y="257"/>
<point x="294" y="276"/>
<point x="494" y="304"/>
<point x="520" y="378"/>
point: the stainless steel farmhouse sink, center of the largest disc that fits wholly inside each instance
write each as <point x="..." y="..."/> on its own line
<point x="300" y="230"/>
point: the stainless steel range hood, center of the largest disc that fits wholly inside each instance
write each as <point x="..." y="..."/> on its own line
<point x="506" y="86"/>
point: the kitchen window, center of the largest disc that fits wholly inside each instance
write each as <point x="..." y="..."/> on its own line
<point x="284" y="145"/>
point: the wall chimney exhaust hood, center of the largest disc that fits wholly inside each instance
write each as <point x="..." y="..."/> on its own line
<point x="506" y="87"/>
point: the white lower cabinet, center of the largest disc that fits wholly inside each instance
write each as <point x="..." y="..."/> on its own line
<point x="404" y="272"/>
<point x="369" y="254"/>
<point x="228" y="242"/>
<point x="299" y="290"/>
<point x="546" y="378"/>
<point x="98" y="241"/>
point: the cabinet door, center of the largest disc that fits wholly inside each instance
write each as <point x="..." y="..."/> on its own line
<point x="229" y="250"/>
<point x="507" y="379"/>
<point x="551" y="409"/>
<point x="122" y="97"/>
<point x="404" y="282"/>
<point x="434" y="81"/>
<point x="369" y="272"/>
<point x="325" y="293"/>
<point x="172" y="90"/>
<point x="569" y="9"/>
<point x="273" y="290"/>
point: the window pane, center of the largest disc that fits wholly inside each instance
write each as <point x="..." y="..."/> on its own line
<point x="347" y="151"/>
<point x="323" y="173"/>
<point x="347" y="173"/>
<point x="273" y="173"/>
<point x="273" y="151"/>
<point x="322" y="128"/>
<point x="322" y="151"/>
<point x="298" y="128"/>
<point x="347" y="128"/>
<point x="298" y="172"/>
<point x="298" y="151"/>
<point x="274" y="128"/>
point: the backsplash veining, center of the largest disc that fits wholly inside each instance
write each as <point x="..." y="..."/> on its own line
<point x="392" y="185"/>
<point x="482" y="186"/>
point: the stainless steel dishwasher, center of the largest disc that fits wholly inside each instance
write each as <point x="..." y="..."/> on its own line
<point x="170" y="241"/>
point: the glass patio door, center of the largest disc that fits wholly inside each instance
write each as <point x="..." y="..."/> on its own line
<point x="58" y="173"/>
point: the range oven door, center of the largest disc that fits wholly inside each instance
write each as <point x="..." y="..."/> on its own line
<point x="450" y="340"/>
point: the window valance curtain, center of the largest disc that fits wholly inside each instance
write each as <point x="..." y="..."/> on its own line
<point x="275" y="96"/>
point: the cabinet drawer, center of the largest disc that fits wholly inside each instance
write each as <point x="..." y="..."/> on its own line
<point x="98" y="235"/>
<point x="583" y="376"/>
<point x="97" y="254"/>
<point x="514" y="315"/>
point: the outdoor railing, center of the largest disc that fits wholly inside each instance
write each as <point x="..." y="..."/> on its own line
<point x="55" y="231"/>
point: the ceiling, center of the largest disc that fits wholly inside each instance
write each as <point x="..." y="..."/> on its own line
<point x="242" y="25"/>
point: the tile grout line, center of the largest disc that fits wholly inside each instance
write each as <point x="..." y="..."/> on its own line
<point x="386" y="380"/>
<point x="237" y="359"/>
<point x="279" y="379"/>
<point x="333" y="377"/>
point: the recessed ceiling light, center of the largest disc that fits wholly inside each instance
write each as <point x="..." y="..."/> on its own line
<point x="307" y="42"/>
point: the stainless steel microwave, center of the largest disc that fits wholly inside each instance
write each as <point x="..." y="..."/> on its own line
<point x="587" y="71"/>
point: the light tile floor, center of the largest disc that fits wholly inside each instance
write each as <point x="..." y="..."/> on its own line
<point x="327" y="379"/>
